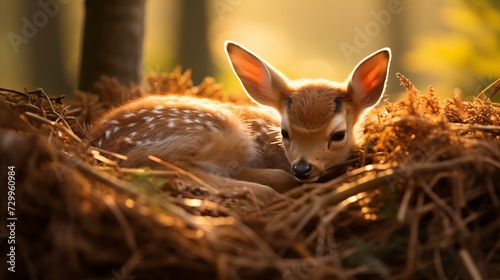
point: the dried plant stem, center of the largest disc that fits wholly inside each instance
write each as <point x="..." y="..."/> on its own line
<point x="412" y="250"/>
<point x="53" y="110"/>
<point x="162" y="173"/>
<point x="469" y="264"/>
<point x="403" y="208"/>
<point x="446" y="208"/>
<point x="438" y="264"/>
<point x="24" y="94"/>
<point x="116" y="155"/>
<point x="185" y="173"/>
<point x="67" y="129"/>
<point x="98" y="175"/>
<point x="483" y="92"/>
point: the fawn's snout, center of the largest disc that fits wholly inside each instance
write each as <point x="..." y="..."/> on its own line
<point x="301" y="170"/>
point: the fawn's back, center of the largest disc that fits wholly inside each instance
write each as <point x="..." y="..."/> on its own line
<point x="191" y="132"/>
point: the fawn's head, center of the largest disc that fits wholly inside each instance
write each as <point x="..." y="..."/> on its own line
<point x="319" y="117"/>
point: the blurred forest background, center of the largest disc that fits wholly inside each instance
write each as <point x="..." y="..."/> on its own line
<point x="445" y="43"/>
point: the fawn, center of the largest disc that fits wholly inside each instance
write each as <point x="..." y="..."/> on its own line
<point x="232" y="146"/>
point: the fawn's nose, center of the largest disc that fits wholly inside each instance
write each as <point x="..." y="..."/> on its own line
<point x="302" y="170"/>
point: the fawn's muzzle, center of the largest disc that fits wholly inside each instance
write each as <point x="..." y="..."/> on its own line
<point x="302" y="170"/>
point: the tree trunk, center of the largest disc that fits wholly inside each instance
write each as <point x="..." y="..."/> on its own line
<point x="44" y="51"/>
<point x="112" y="42"/>
<point x="194" y="51"/>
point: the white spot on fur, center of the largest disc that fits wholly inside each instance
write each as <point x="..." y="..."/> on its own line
<point x="158" y="109"/>
<point x="128" y="140"/>
<point x="221" y="117"/>
<point x="116" y="129"/>
<point x="133" y="134"/>
<point x="142" y="111"/>
<point x="131" y="124"/>
<point x="114" y="122"/>
<point x="148" y="119"/>
<point x="99" y="143"/>
<point x="171" y="124"/>
<point x="107" y="134"/>
<point x="151" y="125"/>
<point x="129" y="115"/>
<point x="210" y="125"/>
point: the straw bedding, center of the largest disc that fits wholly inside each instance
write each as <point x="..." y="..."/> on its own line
<point x="420" y="199"/>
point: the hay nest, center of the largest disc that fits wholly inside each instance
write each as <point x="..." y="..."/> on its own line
<point x="420" y="200"/>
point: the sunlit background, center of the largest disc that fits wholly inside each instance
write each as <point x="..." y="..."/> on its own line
<point x="445" y="43"/>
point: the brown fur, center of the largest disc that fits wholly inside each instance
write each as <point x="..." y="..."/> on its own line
<point x="312" y="106"/>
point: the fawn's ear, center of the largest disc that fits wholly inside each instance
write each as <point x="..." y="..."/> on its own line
<point x="262" y="82"/>
<point x="366" y="84"/>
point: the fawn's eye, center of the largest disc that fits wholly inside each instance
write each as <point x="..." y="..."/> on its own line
<point x="284" y="134"/>
<point x="338" y="136"/>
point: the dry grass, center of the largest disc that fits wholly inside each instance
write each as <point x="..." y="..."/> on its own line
<point x="421" y="199"/>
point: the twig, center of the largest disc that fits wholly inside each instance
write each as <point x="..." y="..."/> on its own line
<point x="39" y="118"/>
<point x="106" y="152"/>
<point x="487" y="128"/>
<point x="469" y="264"/>
<point x="44" y="95"/>
<point x="438" y="264"/>
<point x="183" y="172"/>
<point x="54" y="124"/>
<point x="483" y="92"/>
<point x="165" y="173"/>
<point x="16" y="92"/>
<point x="403" y="207"/>
<point x="427" y="189"/>
<point x="411" y="258"/>
<point x="98" y="175"/>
